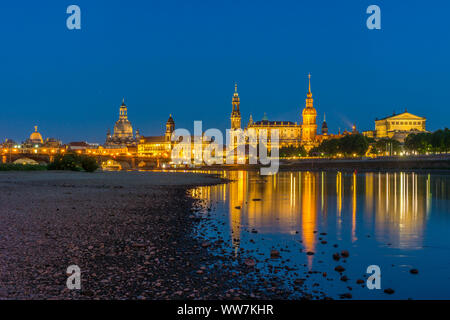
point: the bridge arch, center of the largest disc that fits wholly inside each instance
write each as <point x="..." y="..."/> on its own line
<point x="25" y="160"/>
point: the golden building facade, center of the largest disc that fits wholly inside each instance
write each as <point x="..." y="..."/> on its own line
<point x="123" y="131"/>
<point x="398" y="126"/>
<point x="157" y="146"/>
<point x="291" y="134"/>
<point x="309" y="114"/>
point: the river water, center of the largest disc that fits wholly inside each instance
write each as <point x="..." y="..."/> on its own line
<point x="397" y="221"/>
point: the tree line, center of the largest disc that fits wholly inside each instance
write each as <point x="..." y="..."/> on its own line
<point x="438" y="141"/>
<point x="360" y="145"/>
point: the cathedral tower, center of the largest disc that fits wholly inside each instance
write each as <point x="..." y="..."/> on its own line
<point x="309" y="114"/>
<point x="236" y="113"/>
<point x="170" y="128"/>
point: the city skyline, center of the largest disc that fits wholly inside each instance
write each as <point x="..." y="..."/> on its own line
<point x="240" y="153"/>
<point x="319" y="121"/>
<point x="183" y="59"/>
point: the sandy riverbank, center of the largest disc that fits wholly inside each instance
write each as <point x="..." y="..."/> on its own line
<point x="129" y="232"/>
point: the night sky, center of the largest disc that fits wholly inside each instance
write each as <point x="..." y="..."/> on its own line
<point x="182" y="57"/>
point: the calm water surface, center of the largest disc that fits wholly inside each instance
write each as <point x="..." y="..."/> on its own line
<point x="397" y="221"/>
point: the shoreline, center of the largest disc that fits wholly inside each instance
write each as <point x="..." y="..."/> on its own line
<point x="134" y="235"/>
<point x="121" y="232"/>
<point x="424" y="164"/>
<point x="131" y="237"/>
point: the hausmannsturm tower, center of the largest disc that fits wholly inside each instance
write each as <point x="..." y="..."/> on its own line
<point x="309" y="114"/>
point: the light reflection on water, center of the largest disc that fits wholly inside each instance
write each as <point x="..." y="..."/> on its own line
<point x="395" y="220"/>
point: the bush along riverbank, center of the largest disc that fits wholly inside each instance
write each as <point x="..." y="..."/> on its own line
<point x="69" y="161"/>
<point x="21" y="167"/>
<point x="73" y="162"/>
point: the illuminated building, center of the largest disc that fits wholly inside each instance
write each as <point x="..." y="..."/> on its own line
<point x="123" y="131"/>
<point x="81" y="146"/>
<point x="309" y="125"/>
<point x="397" y="126"/>
<point x="291" y="134"/>
<point x="235" y="119"/>
<point x="52" y="143"/>
<point x="9" y="143"/>
<point x="157" y="146"/>
<point x="160" y="147"/>
<point x="236" y="113"/>
<point x="35" y="138"/>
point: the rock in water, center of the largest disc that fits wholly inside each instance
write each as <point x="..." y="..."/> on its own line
<point x="339" y="269"/>
<point x="250" y="262"/>
<point x="274" y="254"/>
<point x="206" y="244"/>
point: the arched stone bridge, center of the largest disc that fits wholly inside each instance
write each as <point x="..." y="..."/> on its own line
<point x="106" y="161"/>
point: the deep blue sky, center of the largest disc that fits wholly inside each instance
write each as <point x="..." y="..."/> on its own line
<point x="182" y="57"/>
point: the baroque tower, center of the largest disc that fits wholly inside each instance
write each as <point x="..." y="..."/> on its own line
<point x="170" y="128"/>
<point x="236" y="130"/>
<point x="309" y="114"/>
<point x="236" y="113"/>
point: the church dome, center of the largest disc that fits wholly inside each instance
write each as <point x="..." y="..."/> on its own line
<point x="123" y="128"/>
<point x="36" y="137"/>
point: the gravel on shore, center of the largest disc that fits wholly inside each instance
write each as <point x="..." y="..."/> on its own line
<point x="129" y="232"/>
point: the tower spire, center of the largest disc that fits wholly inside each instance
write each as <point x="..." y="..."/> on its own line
<point x="309" y="113"/>
<point x="309" y="94"/>
<point x="123" y="110"/>
<point x="235" y="114"/>
<point x="235" y="100"/>
<point x="309" y="78"/>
